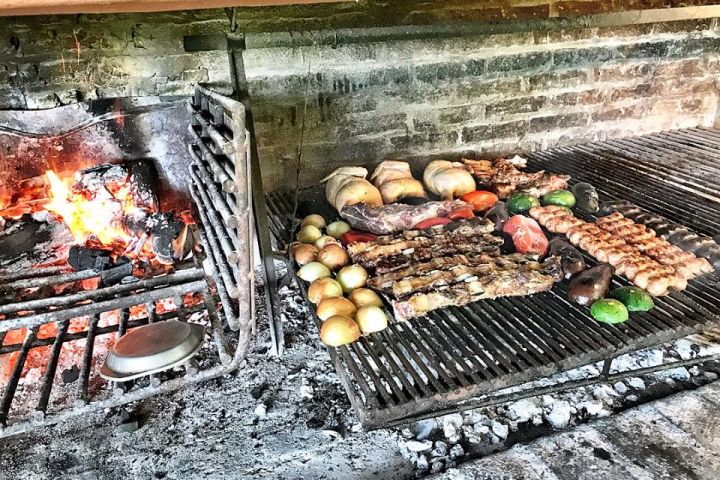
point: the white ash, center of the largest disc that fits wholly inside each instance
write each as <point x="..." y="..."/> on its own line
<point x="559" y="413"/>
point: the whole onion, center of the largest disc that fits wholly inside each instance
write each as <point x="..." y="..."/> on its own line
<point x="371" y="319"/>
<point x="323" y="288"/>
<point x="330" y="307"/>
<point x="333" y="256"/>
<point x="304" y="253"/>
<point x="337" y="228"/>
<point x="324" y="241"/>
<point x="312" y="271"/>
<point x="315" y="220"/>
<point x="352" y="277"/>
<point x="308" y="234"/>
<point x="339" y="330"/>
<point x="362" y="297"/>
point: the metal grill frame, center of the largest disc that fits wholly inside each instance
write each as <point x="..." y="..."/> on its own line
<point x="434" y="365"/>
<point x="219" y="130"/>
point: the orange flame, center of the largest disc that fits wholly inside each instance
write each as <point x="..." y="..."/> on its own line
<point x="86" y="218"/>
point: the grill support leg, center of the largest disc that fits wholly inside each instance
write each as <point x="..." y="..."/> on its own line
<point x="607" y="363"/>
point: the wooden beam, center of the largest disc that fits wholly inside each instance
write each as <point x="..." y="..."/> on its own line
<point x="52" y="7"/>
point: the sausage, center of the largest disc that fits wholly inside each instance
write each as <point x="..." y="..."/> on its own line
<point x="571" y="260"/>
<point x="586" y="197"/>
<point x="591" y="285"/>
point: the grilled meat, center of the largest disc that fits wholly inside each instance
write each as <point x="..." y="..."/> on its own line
<point x="628" y="260"/>
<point x="503" y="177"/>
<point x="659" y="249"/>
<point x="400" y="241"/>
<point x="526" y="277"/>
<point x="676" y="234"/>
<point x="396" y="217"/>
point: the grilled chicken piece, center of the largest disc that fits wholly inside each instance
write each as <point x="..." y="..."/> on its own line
<point x="503" y="177"/>
<point x="502" y="282"/>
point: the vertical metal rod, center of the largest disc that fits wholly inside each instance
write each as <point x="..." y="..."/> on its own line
<point x="82" y="391"/>
<point x="12" y="382"/>
<point x="49" y="376"/>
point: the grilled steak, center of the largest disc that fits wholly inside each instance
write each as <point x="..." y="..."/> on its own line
<point x="503" y="177"/>
<point x="396" y="217"/>
<point x="526" y="277"/>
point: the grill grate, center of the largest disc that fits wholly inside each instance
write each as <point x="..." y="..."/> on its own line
<point x="454" y="358"/>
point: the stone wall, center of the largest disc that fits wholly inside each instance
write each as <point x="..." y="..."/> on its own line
<point x="485" y="95"/>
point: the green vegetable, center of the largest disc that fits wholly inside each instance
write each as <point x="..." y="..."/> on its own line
<point x="564" y="198"/>
<point x="634" y="298"/>
<point x="521" y="202"/>
<point x="608" y="310"/>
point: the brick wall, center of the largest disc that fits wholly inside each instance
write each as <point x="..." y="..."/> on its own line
<point x="485" y="95"/>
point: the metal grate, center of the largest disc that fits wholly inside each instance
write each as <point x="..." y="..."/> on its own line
<point x="455" y="358"/>
<point x="68" y="329"/>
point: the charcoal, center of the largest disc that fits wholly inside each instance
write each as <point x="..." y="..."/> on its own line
<point x="117" y="273"/>
<point x="83" y="258"/>
<point x="170" y="237"/>
<point x="138" y="177"/>
<point x="70" y="375"/>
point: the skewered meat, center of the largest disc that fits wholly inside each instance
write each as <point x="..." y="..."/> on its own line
<point x="526" y="277"/>
<point x="676" y="234"/>
<point x="640" y="269"/>
<point x="396" y="217"/>
<point x="503" y="177"/>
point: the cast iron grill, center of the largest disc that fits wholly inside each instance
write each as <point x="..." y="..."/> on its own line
<point x="67" y="329"/>
<point x="456" y="358"/>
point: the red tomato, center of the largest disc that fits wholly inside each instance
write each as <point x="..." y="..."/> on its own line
<point x="480" y="200"/>
<point x="527" y="236"/>
<point x="460" y="214"/>
<point x="431" y="222"/>
<point x="353" y="236"/>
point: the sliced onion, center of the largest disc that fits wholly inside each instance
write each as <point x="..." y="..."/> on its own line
<point x="333" y="256"/>
<point x="362" y="297"/>
<point x="371" y="319"/>
<point x="338" y="330"/>
<point x="330" y="307"/>
<point x="308" y="234"/>
<point x="314" y="220"/>
<point x="352" y="277"/>
<point x="312" y="271"/>
<point x="337" y="228"/>
<point x="323" y="288"/>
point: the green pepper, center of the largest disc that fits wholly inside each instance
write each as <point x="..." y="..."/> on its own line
<point x="521" y="202"/>
<point x="608" y="310"/>
<point x="564" y="198"/>
<point x="634" y="298"/>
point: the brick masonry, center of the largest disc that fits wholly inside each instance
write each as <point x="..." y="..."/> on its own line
<point x="476" y="95"/>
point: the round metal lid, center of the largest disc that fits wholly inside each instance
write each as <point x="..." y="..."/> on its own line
<point x="152" y="348"/>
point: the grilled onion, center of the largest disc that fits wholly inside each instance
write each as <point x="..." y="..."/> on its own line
<point x="312" y="271"/>
<point x="352" y="277"/>
<point x="363" y="297"/>
<point x="333" y="256"/>
<point x="339" y="330"/>
<point x="308" y="234"/>
<point x="314" y="220"/>
<point x="323" y="288"/>
<point x="324" y="241"/>
<point x="304" y="253"/>
<point x="371" y="319"/>
<point x="331" y="307"/>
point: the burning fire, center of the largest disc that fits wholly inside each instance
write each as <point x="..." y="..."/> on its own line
<point x="95" y="217"/>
